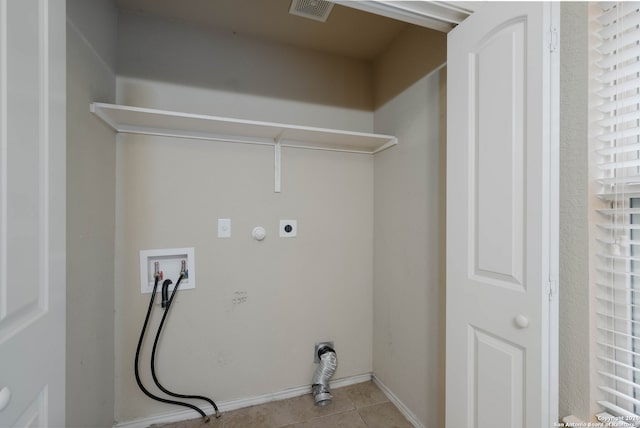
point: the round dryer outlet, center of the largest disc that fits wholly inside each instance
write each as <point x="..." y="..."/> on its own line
<point x="288" y="228"/>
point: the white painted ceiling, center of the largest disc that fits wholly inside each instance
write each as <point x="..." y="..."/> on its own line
<point x="347" y="32"/>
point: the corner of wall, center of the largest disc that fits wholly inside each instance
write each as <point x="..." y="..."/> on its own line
<point x="96" y="22"/>
<point x="414" y="53"/>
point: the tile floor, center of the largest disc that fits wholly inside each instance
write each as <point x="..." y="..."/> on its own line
<point x="356" y="406"/>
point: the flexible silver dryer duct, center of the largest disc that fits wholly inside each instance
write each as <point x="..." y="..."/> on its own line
<point x="326" y="369"/>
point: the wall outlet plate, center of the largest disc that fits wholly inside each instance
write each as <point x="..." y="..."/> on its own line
<point x="288" y="228"/>
<point x="224" y="228"/>
<point x="319" y="345"/>
<point x="170" y="261"/>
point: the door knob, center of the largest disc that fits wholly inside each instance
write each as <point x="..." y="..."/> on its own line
<point x="5" y="396"/>
<point x="521" y="321"/>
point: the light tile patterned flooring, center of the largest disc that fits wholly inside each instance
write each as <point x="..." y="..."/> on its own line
<point x="356" y="406"/>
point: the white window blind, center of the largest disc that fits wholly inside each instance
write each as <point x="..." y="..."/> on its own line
<point x="617" y="282"/>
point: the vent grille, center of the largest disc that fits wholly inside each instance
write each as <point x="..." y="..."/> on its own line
<point x="317" y="10"/>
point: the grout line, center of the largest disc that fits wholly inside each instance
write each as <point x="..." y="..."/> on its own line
<point x="375" y="404"/>
<point x="362" y="419"/>
<point x="315" y="418"/>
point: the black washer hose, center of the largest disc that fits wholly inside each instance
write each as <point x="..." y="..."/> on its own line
<point x="153" y="355"/>
<point x="137" y="372"/>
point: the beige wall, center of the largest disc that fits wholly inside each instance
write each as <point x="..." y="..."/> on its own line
<point x="574" y="264"/>
<point x="409" y="225"/>
<point x="90" y="215"/>
<point x="171" y="192"/>
<point x="182" y="67"/>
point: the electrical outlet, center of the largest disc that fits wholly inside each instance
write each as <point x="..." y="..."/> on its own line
<point x="224" y="228"/>
<point x="170" y="263"/>
<point x="288" y="228"/>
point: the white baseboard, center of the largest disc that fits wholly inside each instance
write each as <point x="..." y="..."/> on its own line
<point x="399" y="404"/>
<point x="226" y="406"/>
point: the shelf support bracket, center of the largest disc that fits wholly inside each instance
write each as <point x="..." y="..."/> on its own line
<point x="277" y="164"/>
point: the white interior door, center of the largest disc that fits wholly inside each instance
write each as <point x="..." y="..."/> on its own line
<point x="32" y="212"/>
<point x="502" y="218"/>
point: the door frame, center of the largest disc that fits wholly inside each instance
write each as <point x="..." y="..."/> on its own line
<point x="443" y="16"/>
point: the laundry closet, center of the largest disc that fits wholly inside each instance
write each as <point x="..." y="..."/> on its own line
<point x="366" y="267"/>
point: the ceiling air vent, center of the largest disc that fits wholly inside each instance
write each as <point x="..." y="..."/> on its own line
<point x="318" y="10"/>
